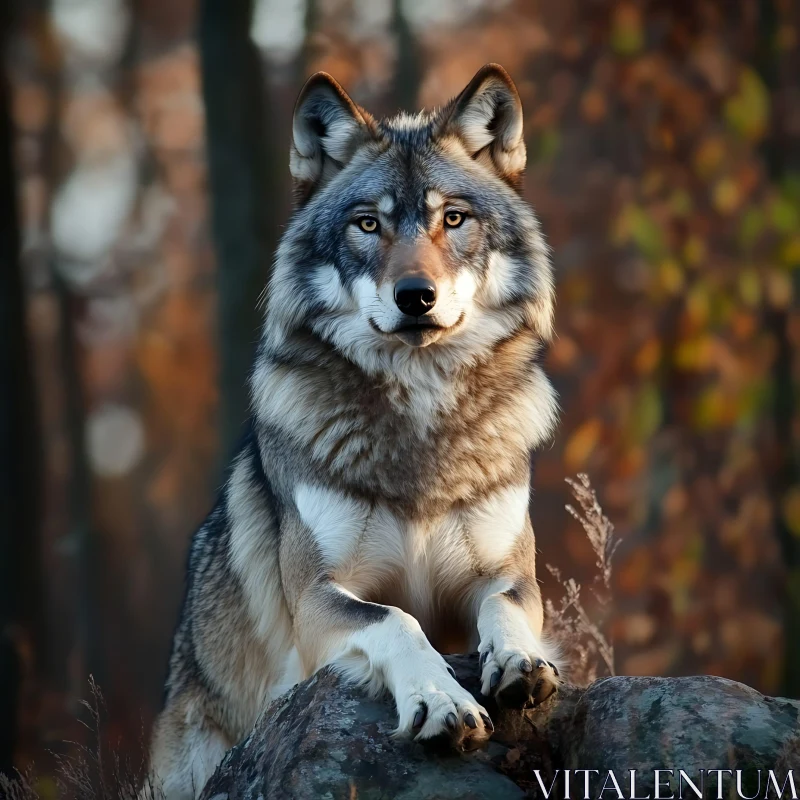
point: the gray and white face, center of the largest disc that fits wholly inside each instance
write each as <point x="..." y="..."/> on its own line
<point x="411" y="239"/>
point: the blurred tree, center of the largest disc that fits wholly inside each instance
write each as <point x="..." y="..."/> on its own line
<point x="17" y="431"/>
<point x="408" y="67"/>
<point x="241" y="176"/>
<point x="777" y="68"/>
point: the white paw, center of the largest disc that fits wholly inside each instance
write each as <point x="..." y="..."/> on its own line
<point x="434" y="706"/>
<point x="515" y="676"/>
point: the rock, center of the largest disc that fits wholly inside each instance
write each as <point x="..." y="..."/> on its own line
<point x="325" y="739"/>
<point x="707" y="722"/>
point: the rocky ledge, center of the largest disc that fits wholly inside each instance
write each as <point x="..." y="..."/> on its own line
<point x="325" y="739"/>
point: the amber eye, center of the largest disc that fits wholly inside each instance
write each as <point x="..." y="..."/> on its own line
<point x="368" y="224"/>
<point x="452" y="219"/>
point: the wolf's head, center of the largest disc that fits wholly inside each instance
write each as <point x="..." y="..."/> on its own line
<point x="411" y="243"/>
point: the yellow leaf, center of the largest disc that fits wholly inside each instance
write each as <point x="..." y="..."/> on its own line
<point x="582" y="443"/>
<point x="695" y="353"/>
<point x="709" y="156"/>
<point x="698" y="305"/>
<point x="646" y="413"/>
<point x="790" y="251"/>
<point x="713" y="409"/>
<point x="750" y="287"/>
<point x="627" y="36"/>
<point x="621" y="230"/>
<point x="726" y="196"/>
<point x="648" y="356"/>
<point x="680" y="203"/>
<point x="791" y="510"/>
<point x="671" y="276"/>
<point x="747" y="112"/>
<point x="751" y="228"/>
<point x="784" y="214"/>
<point x="635" y="224"/>
<point x="694" y="251"/>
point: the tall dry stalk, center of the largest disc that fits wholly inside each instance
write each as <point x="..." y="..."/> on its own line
<point x="583" y="639"/>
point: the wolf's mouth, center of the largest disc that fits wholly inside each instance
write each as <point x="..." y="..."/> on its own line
<point x="420" y="333"/>
<point x="418" y="326"/>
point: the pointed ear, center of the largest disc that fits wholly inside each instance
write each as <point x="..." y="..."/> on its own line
<point x="327" y="128"/>
<point x="487" y="117"/>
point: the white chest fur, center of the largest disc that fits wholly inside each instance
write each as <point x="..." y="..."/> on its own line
<point x="367" y="546"/>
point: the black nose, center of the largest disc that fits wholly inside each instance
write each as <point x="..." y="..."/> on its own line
<point x="415" y="296"/>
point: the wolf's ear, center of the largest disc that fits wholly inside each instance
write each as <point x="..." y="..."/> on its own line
<point x="327" y="127"/>
<point x="487" y="117"/>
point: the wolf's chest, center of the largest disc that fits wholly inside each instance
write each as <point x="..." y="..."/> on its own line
<point x="377" y="553"/>
<point x="426" y="471"/>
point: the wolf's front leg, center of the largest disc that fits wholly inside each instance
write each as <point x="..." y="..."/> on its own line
<point x="382" y="647"/>
<point x="517" y="665"/>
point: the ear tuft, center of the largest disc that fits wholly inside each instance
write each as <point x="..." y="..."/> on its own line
<point x="327" y="128"/>
<point x="487" y="117"/>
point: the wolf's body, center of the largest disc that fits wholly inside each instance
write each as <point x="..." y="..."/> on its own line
<point x="378" y="510"/>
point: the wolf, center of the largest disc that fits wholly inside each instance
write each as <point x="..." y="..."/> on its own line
<point x="377" y="512"/>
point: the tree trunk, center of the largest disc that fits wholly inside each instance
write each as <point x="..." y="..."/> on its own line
<point x="238" y="144"/>
<point x="780" y="153"/>
<point x="18" y="448"/>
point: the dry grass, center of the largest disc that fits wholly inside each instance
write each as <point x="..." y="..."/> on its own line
<point x="96" y="772"/>
<point x="586" y="646"/>
<point x="19" y="788"/>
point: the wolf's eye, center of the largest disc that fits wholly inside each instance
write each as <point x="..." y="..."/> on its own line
<point x="368" y="224"/>
<point x="453" y="219"/>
